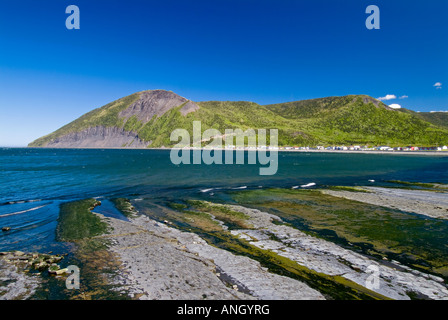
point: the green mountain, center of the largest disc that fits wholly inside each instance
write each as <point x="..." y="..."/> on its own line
<point x="438" y="118"/>
<point x="147" y="118"/>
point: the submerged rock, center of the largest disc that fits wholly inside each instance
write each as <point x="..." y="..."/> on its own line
<point x="56" y="270"/>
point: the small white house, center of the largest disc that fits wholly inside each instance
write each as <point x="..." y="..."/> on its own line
<point x="444" y="148"/>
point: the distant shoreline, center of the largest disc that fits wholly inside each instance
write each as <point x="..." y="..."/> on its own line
<point x="329" y="151"/>
<point x="373" y="152"/>
<point x="438" y="153"/>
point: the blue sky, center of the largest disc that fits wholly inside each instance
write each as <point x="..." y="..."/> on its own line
<point x="261" y="51"/>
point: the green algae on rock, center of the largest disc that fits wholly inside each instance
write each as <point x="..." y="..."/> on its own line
<point x="88" y="230"/>
<point x="201" y="223"/>
<point x="366" y="228"/>
<point x="124" y="206"/>
<point x="76" y="221"/>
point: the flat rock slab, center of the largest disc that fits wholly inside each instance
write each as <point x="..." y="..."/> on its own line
<point x="160" y="262"/>
<point x="394" y="281"/>
<point x="14" y="283"/>
<point x="431" y="204"/>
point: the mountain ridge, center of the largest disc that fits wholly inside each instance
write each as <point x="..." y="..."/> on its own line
<point x="147" y="118"/>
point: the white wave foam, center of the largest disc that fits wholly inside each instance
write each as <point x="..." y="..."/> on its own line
<point x="308" y="185"/>
<point x="19" y="212"/>
<point x="36" y="200"/>
<point x="22" y="201"/>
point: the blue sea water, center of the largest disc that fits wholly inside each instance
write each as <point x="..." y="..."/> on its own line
<point x="34" y="182"/>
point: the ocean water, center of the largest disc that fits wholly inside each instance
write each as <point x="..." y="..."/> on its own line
<point x="34" y="182"/>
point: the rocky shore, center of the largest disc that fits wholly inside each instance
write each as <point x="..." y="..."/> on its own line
<point x="160" y="262"/>
<point x="394" y="280"/>
<point x="19" y="273"/>
<point x="428" y="203"/>
<point x="211" y="251"/>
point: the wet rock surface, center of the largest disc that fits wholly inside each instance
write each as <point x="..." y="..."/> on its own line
<point x="394" y="280"/>
<point x="16" y="282"/>
<point x="432" y="204"/>
<point x="155" y="266"/>
<point x="160" y="262"/>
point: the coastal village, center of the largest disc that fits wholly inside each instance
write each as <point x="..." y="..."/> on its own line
<point x="367" y="148"/>
<point x="338" y="148"/>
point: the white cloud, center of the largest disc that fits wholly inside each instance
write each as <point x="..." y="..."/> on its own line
<point x="403" y="97"/>
<point x="395" y="106"/>
<point x="438" y="85"/>
<point x="388" y="97"/>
